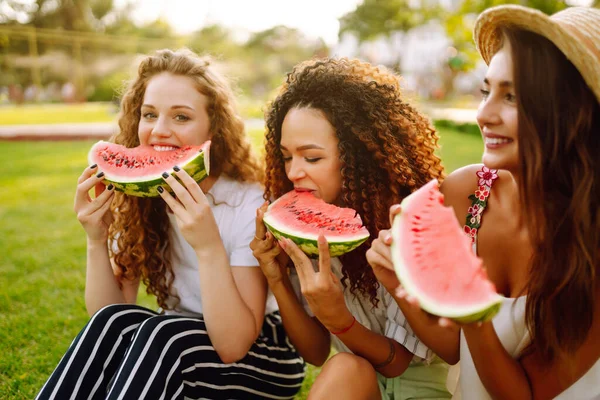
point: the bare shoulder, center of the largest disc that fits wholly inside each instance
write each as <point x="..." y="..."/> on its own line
<point x="460" y="183"/>
<point x="463" y="182"/>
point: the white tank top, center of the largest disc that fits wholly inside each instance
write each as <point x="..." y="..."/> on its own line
<point x="510" y="327"/>
<point x="509" y="324"/>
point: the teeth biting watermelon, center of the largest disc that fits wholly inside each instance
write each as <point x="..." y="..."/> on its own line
<point x="138" y="171"/>
<point x="435" y="263"/>
<point x="300" y="216"/>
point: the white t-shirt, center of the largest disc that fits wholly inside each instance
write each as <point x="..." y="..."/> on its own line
<point x="387" y="319"/>
<point x="234" y="207"/>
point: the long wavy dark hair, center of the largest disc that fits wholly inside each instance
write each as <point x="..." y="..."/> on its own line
<point x="559" y="148"/>
<point x="142" y="225"/>
<point x="387" y="147"/>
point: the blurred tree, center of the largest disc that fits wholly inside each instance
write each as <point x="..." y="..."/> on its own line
<point x="373" y="18"/>
<point x="271" y="53"/>
<point x="215" y="40"/>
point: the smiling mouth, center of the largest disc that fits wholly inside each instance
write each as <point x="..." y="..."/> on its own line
<point x="497" y="141"/>
<point x="164" y="148"/>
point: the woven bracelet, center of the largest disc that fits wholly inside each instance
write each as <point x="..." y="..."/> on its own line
<point x="390" y="356"/>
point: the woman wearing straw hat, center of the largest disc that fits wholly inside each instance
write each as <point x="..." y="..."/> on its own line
<point x="538" y="226"/>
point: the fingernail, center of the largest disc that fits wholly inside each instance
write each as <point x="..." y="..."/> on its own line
<point x="388" y="237"/>
<point x="176" y="168"/>
<point x="100" y="175"/>
<point x="281" y="243"/>
<point x="165" y="175"/>
<point x="160" y="189"/>
<point x="93" y="166"/>
<point x="110" y="187"/>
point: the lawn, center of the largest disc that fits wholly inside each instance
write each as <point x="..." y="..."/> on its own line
<point x="43" y="255"/>
<point x="60" y="113"/>
<point x="57" y="113"/>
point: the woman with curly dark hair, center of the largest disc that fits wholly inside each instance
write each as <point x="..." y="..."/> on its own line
<point x="340" y="129"/>
<point x="222" y="336"/>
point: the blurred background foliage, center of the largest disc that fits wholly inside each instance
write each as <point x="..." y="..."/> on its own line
<point x="77" y="50"/>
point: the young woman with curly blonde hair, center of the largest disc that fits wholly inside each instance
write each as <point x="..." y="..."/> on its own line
<point x="341" y="129"/>
<point x="221" y="335"/>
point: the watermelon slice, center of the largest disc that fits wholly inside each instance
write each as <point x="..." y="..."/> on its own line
<point x="138" y="171"/>
<point x="300" y="216"/>
<point x="435" y="263"/>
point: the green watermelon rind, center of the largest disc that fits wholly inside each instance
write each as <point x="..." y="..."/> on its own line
<point x="468" y="314"/>
<point x="311" y="246"/>
<point x="196" y="167"/>
<point x="308" y="243"/>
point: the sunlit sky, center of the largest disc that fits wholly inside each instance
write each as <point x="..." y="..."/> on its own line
<point x="315" y="18"/>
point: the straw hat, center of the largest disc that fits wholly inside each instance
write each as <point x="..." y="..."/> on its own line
<point x="574" y="30"/>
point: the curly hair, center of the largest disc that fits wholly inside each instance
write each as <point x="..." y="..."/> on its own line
<point x="387" y="148"/>
<point x="141" y="226"/>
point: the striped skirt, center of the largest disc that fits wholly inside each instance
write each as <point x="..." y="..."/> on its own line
<point x="129" y="352"/>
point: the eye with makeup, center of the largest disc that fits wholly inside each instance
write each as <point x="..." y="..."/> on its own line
<point x="149" y="115"/>
<point x="510" y="97"/>
<point x="182" y="118"/>
<point x="312" y="160"/>
<point x="484" y="93"/>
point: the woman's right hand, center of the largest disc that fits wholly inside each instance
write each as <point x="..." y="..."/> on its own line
<point x="379" y="256"/>
<point x="93" y="214"/>
<point x="271" y="258"/>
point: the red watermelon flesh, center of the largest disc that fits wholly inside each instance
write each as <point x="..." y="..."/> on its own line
<point x="138" y="171"/>
<point x="300" y="216"/>
<point x="434" y="260"/>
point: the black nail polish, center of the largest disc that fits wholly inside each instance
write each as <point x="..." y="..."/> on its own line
<point x="165" y="175"/>
<point x="110" y="187"/>
<point x="160" y="189"/>
<point x="100" y="175"/>
<point x="176" y="168"/>
<point x="93" y="166"/>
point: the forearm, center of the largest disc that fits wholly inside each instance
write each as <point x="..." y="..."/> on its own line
<point x="443" y="341"/>
<point x="101" y="285"/>
<point x="230" y="323"/>
<point x="502" y="376"/>
<point x="309" y="337"/>
<point x="375" y="348"/>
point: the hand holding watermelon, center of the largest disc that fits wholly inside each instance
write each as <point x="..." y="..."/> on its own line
<point x="435" y="263"/>
<point x="192" y="211"/>
<point x="379" y="256"/>
<point x="322" y="289"/>
<point x="93" y="214"/>
<point x="266" y="250"/>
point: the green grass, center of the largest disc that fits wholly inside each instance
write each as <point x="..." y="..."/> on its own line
<point x="60" y="113"/>
<point x="42" y="267"/>
<point x="57" y="113"/>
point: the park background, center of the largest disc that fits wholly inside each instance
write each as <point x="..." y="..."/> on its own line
<point x="63" y="64"/>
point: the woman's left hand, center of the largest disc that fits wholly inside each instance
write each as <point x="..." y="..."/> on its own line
<point x="192" y="211"/>
<point x="322" y="289"/>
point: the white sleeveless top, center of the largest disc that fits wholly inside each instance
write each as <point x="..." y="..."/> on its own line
<point x="510" y="326"/>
